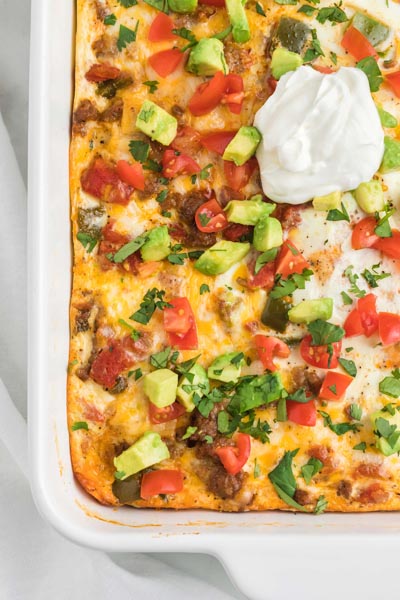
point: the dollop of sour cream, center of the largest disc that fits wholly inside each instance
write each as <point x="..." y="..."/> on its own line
<point x="321" y="133"/>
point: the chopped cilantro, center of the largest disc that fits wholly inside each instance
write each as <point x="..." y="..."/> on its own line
<point x="135" y="335"/>
<point x="372" y="71"/>
<point x="315" y="50"/>
<point x="307" y="9"/>
<point x="310" y="469"/>
<point x="257" y="470"/>
<point x="265" y="258"/>
<point x="321" y="505"/>
<point x="372" y="277"/>
<point x="334" y="14"/>
<point x="355" y="412"/>
<point x="324" y="333"/>
<point x="204" y="289"/>
<point x="349" y="366"/>
<point x="79" y="425"/>
<point x="88" y="242"/>
<point x="383" y="228"/>
<point x="110" y="19"/>
<point x="260" y="10"/>
<point x="286" y="287"/>
<point x="152" y="85"/>
<point x="161" y="196"/>
<point x="391" y="385"/>
<point x="205" y="172"/>
<point x="281" y="410"/>
<point x="139" y="150"/>
<point x="126" y="36"/>
<point x="189" y="432"/>
<point x="119" y="474"/>
<point x="353" y="278"/>
<point x="338" y="428"/>
<point x="152" y="300"/>
<point x="137" y="373"/>
<point x="334" y="57"/>
<point x="186" y="34"/>
<point x="127" y="3"/>
<point x="283" y="480"/>
<point x="129" y="248"/>
<point x="361" y="446"/>
<point x="346" y="298"/>
<point x="336" y="215"/>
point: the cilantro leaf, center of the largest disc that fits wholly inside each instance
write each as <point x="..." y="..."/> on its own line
<point x="135" y="335"/>
<point x="346" y="298"/>
<point x="315" y="50"/>
<point x="286" y="287"/>
<point x="338" y="428"/>
<point x="332" y="13"/>
<point x="307" y="9"/>
<point x="321" y="505"/>
<point x="324" y="333"/>
<point x="204" y="289"/>
<point x="265" y="258"/>
<point x="160" y="359"/>
<point x="110" y="19"/>
<point x="361" y="446"/>
<point x="152" y="300"/>
<point x="310" y="469"/>
<point x="336" y="215"/>
<point x="383" y="228"/>
<point x="370" y="67"/>
<point x="88" y="242"/>
<point x="152" y="85"/>
<point x="260" y="10"/>
<point x="79" y="425"/>
<point x="298" y="396"/>
<point x="355" y="412"/>
<point x="186" y="34"/>
<point x="161" y="5"/>
<point x="127" y="3"/>
<point x="372" y="277"/>
<point x="391" y="385"/>
<point x="129" y="248"/>
<point x="349" y="366"/>
<point x="189" y="432"/>
<point x="283" y="480"/>
<point x="126" y="36"/>
<point x="353" y="278"/>
<point x="257" y="470"/>
<point x="139" y="150"/>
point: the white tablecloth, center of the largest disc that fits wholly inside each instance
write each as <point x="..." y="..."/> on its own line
<point x="35" y="562"/>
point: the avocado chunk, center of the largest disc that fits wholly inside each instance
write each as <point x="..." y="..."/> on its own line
<point x="146" y="451"/>
<point x="311" y="310"/>
<point x="248" y="212"/>
<point x="283" y="61"/>
<point x="327" y="202"/>
<point x="221" y="257"/>
<point x="267" y="234"/>
<point x="155" y="122"/>
<point x="182" y="6"/>
<point x="157" y="244"/>
<point x="238" y="19"/>
<point x="160" y="386"/>
<point x="369" y="196"/>
<point x="243" y="146"/>
<point x="207" y="57"/>
<point x="292" y="34"/>
<point x="196" y="381"/>
<point x="387" y="444"/>
<point x="391" y="155"/>
<point x="227" y="367"/>
<point x="373" y="30"/>
<point x="387" y="120"/>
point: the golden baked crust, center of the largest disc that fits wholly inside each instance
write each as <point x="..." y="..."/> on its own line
<point x="228" y="316"/>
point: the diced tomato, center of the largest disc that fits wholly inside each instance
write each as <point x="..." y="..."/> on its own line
<point x="234" y="93"/>
<point x="138" y="266"/>
<point x="334" y="385"/>
<point x="268" y="347"/>
<point x="168" y="413"/>
<point x="364" y="235"/>
<point x="363" y="319"/>
<point x="352" y="324"/>
<point x="290" y="260"/>
<point x="217" y="142"/>
<point x="187" y="141"/>
<point x="167" y="61"/>
<point x="369" y="317"/>
<point x="265" y="278"/>
<point x="102" y="72"/>
<point x="162" y="481"/>
<point x="161" y="29"/>
<point x="235" y="232"/>
<point x="238" y="177"/>
<point x="131" y="173"/>
<point x="182" y="329"/>
<point x="234" y="458"/>
<point x="323" y="69"/>
<point x="393" y="80"/>
<point x="208" y="95"/>
<point x="389" y="246"/>
<point x="210" y="217"/>
<point x="109" y="234"/>
<point x="212" y="2"/>
<point x="319" y="356"/>
<point x="302" y="413"/>
<point x="389" y="328"/>
<point x="181" y="164"/>
<point x="357" y="44"/>
<point x="179" y="318"/>
<point x="101" y="180"/>
<point x="110" y="362"/>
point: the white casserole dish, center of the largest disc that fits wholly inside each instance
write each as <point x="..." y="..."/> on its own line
<point x="269" y="555"/>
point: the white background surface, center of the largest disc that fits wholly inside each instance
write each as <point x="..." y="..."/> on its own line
<point x="35" y="562"/>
